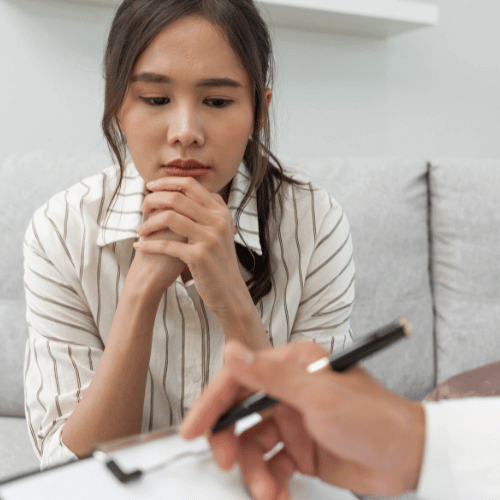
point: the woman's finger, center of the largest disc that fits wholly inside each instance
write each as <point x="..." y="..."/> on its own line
<point x="186" y="185"/>
<point x="165" y="208"/>
<point x="168" y="219"/>
<point x="219" y="199"/>
<point x="175" y="200"/>
<point x="172" y="200"/>
<point x="205" y="203"/>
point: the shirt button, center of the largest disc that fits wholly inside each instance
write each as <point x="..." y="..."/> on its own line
<point x="197" y="378"/>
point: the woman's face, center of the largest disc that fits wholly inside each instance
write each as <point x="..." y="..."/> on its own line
<point x="189" y="98"/>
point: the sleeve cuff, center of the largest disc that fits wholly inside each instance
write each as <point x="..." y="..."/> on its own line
<point x="56" y="452"/>
<point x="462" y="450"/>
<point x="436" y="477"/>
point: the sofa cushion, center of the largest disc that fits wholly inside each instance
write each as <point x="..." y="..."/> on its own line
<point x="386" y="203"/>
<point x="465" y="217"/>
<point x="26" y="182"/>
<point x="17" y="454"/>
<point x="483" y="381"/>
<point x="14" y="333"/>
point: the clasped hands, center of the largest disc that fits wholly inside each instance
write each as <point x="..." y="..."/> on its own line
<point x="192" y="225"/>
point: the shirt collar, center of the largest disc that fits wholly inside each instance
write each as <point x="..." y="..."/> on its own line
<point x="248" y="223"/>
<point x="125" y="215"/>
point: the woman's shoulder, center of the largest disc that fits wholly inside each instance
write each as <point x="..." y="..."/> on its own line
<point x="95" y="188"/>
<point x="84" y="201"/>
<point x="302" y="190"/>
<point x="309" y="214"/>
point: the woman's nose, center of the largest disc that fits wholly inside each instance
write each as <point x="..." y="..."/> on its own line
<point x="185" y="128"/>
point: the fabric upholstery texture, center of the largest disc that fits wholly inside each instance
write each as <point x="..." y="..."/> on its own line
<point x="385" y="200"/>
<point x="12" y="314"/>
<point x="465" y="223"/>
<point x="17" y="455"/>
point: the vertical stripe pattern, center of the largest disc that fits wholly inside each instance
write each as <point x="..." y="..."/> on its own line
<point x="73" y="283"/>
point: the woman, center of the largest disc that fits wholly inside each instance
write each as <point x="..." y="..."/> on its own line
<point x="135" y="278"/>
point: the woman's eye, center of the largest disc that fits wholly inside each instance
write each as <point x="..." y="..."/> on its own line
<point x="218" y="103"/>
<point x="156" y="101"/>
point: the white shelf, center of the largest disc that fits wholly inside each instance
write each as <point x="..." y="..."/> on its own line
<point x="369" y="18"/>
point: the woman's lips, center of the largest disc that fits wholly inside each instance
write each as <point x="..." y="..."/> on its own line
<point x="186" y="172"/>
<point x="186" y="168"/>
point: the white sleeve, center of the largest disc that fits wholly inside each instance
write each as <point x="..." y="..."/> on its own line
<point x="462" y="450"/>
<point x="63" y="348"/>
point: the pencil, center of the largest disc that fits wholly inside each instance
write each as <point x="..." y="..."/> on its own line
<point x="368" y="345"/>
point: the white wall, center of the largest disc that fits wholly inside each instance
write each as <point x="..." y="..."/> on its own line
<point x="430" y="92"/>
<point x="51" y="84"/>
<point x="444" y="84"/>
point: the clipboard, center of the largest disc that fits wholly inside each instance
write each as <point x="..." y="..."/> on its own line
<point x="149" y="466"/>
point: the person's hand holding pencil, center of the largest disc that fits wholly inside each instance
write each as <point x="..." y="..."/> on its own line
<point x="345" y="428"/>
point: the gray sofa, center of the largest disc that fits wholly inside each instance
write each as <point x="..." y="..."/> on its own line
<point x="427" y="246"/>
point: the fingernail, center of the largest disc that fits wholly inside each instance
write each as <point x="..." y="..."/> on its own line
<point x="149" y="185"/>
<point x="258" y="488"/>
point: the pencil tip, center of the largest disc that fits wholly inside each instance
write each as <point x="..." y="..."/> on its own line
<point x="406" y="325"/>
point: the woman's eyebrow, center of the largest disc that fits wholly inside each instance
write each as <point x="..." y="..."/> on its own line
<point x="207" y="82"/>
<point x="218" y="82"/>
<point x="151" y="77"/>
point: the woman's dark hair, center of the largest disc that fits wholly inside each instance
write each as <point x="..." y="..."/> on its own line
<point x="136" y="24"/>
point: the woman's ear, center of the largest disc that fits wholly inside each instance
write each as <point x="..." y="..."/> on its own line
<point x="269" y="96"/>
<point x="117" y="122"/>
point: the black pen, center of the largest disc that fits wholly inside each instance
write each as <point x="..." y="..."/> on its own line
<point x="373" y="342"/>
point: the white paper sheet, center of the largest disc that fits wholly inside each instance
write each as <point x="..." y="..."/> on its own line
<point x="192" y="477"/>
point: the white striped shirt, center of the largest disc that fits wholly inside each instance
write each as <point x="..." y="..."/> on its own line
<point x="76" y="261"/>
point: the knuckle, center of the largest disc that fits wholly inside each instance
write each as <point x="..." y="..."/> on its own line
<point x="212" y="242"/>
<point x="168" y="217"/>
<point x="218" y="198"/>
<point x="177" y="197"/>
<point x="198" y="254"/>
<point x="165" y="245"/>
<point x="145" y="204"/>
<point x="221" y="227"/>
